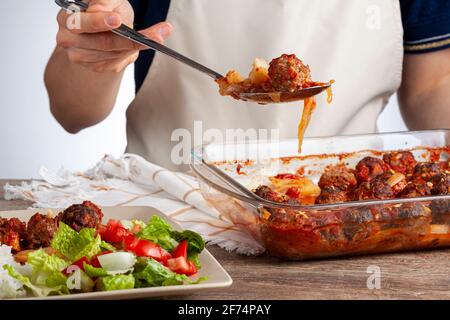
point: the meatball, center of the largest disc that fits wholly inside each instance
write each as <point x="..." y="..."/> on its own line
<point x="425" y="171"/>
<point x="40" y="230"/>
<point x="339" y="177"/>
<point x="267" y="193"/>
<point x="96" y="209"/>
<point x="375" y="189"/>
<point x="441" y="184"/>
<point x="331" y="194"/>
<point x="414" y="190"/>
<point x="402" y="161"/>
<point x="288" y="73"/>
<point x="79" y="216"/>
<point x="370" y="167"/>
<point x="12" y="233"/>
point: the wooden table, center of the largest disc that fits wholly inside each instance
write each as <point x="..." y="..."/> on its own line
<point x="413" y="275"/>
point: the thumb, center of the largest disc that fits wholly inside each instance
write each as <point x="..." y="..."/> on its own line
<point x="104" y="5"/>
<point x="158" y="32"/>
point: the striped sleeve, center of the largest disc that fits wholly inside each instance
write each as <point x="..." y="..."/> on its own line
<point x="426" y="25"/>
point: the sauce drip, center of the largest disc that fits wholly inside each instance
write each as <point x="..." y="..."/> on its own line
<point x="309" y="105"/>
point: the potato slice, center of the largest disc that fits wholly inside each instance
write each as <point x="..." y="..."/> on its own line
<point x="260" y="72"/>
<point x="234" y="77"/>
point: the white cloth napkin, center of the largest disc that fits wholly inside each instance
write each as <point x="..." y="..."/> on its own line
<point x="133" y="181"/>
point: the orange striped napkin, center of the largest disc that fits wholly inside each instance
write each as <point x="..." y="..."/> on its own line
<point x="133" y="181"/>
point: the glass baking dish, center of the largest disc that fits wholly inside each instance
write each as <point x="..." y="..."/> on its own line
<point x="228" y="172"/>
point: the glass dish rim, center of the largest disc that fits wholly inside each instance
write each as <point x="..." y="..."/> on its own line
<point x="316" y="207"/>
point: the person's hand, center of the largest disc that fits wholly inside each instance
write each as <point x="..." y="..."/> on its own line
<point x="86" y="38"/>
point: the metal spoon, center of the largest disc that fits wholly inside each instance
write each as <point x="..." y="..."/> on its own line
<point x="129" y="33"/>
<point x="281" y="97"/>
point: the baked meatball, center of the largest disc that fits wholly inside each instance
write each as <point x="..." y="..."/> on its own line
<point x="12" y="233"/>
<point x="401" y="161"/>
<point x="79" y="216"/>
<point x="441" y="184"/>
<point x="425" y="171"/>
<point x="96" y="209"/>
<point x="40" y="231"/>
<point x="377" y="188"/>
<point x="287" y="73"/>
<point x="332" y="194"/>
<point x="267" y="193"/>
<point x="339" y="177"/>
<point x="370" y="167"/>
<point x="414" y="190"/>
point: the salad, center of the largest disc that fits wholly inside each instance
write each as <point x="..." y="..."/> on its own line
<point x="113" y="256"/>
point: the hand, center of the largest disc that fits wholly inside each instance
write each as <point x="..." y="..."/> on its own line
<point x="86" y="39"/>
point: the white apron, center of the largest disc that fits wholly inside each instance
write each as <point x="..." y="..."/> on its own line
<point x="358" y="43"/>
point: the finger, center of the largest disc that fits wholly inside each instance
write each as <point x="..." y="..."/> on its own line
<point x="115" y="66"/>
<point x="158" y="32"/>
<point x="93" y="22"/>
<point x="78" y="55"/>
<point x="104" y="41"/>
<point x="110" y="42"/>
<point x="120" y="65"/>
<point x="104" y="5"/>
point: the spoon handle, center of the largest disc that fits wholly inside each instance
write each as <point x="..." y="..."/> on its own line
<point x="133" y="35"/>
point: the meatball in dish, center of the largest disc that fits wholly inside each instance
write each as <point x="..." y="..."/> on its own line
<point x="332" y="194"/>
<point x="370" y="167"/>
<point x="441" y="184"/>
<point x="384" y="186"/>
<point x="339" y="177"/>
<point x="414" y="190"/>
<point x="400" y="161"/>
<point x="393" y="175"/>
<point x="425" y="171"/>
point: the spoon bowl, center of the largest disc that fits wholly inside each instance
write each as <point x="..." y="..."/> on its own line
<point x="281" y="97"/>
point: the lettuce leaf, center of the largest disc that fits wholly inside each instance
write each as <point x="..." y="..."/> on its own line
<point x="46" y="269"/>
<point x="150" y="273"/>
<point x="76" y="245"/>
<point x="105" y="246"/>
<point x="38" y="291"/>
<point x="46" y="276"/>
<point x="158" y="231"/>
<point x="117" y="282"/>
<point x="94" y="272"/>
<point x="195" y="244"/>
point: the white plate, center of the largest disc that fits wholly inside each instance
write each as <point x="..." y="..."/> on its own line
<point x="217" y="276"/>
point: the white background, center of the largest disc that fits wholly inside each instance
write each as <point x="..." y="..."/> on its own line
<point x="30" y="137"/>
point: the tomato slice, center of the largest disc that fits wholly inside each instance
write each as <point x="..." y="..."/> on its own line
<point x="181" y="265"/>
<point x="114" y="232"/>
<point x="145" y="248"/>
<point x="180" y="250"/>
<point x="79" y="263"/>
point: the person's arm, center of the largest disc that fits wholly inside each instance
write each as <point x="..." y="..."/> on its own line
<point x="84" y="73"/>
<point x="424" y="95"/>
